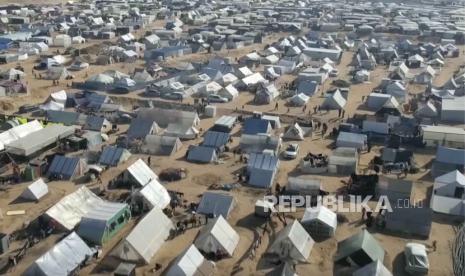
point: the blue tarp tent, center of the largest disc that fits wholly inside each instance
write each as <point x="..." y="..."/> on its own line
<point x="262" y="169"/>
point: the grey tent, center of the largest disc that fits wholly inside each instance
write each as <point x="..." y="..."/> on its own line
<point x="343" y="161"/>
<point x="360" y="249"/>
<point x="413" y="221"/>
<point x="334" y="101"/>
<point x="215" y="139"/>
<point x="63" y="259"/>
<point x="259" y="143"/>
<point x="191" y="263"/>
<point x="161" y="145"/>
<point x="140" y="128"/>
<point x="202" y="154"/>
<point x="394" y="189"/>
<point x="320" y="222"/>
<point x="262" y="169"/>
<point x="296" y="132"/>
<point x="113" y="156"/>
<point x="447" y="160"/>
<point x="293" y="243"/>
<point x="215" y="204"/>
<point x="351" y="140"/>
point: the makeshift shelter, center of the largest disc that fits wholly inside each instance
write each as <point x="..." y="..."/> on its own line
<point x="95" y="123"/>
<point x="256" y="126"/>
<point x="165" y="117"/>
<point x="343" y="161"/>
<point x="427" y="110"/>
<point x="304" y="186"/>
<point x="259" y="143"/>
<point x="146" y="238"/>
<point x="12" y="74"/>
<point x="35" y="191"/>
<point x="217" y="237"/>
<point x="202" y="154"/>
<point x="57" y="73"/>
<point x="191" y="263"/>
<point x="295" y="132"/>
<point x="262" y="169"/>
<point x="66" y="168"/>
<point x="293" y="243"/>
<point x="113" y="156"/>
<point x="307" y="87"/>
<point x="413" y="221"/>
<point x="216" y="204"/>
<point x="160" y="145"/>
<point x="449" y="194"/>
<point x="264" y="208"/>
<point x="434" y="136"/>
<point x="360" y="249"/>
<point x="182" y="131"/>
<point x="17" y="132"/>
<point x="351" y="140"/>
<point x="453" y="109"/>
<point x="216" y="140"/>
<point x="64" y="258"/>
<point x="320" y="222"/>
<point x="101" y="223"/>
<point x="139" y="174"/>
<point x="266" y="94"/>
<point x="38" y="140"/>
<point x="155" y="194"/>
<point x="224" y="124"/>
<point x="299" y="99"/>
<point x="394" y="189"/>
<point x="140" y="128"/>
<point x="373" y="269"/>
<point x="448" y="159"/>
<point x="334" y="101"/>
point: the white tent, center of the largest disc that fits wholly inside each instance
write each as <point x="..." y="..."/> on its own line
<point x="18" y="132"/>
<point x="191" y="263"/>
<point x="101" y="79"/>
<point x="141" y="172"/>
<point x="146" y="238"/>
<point x="62" y="259"/>
<point x="59" y="97"/>
<point x="217" y="237"/>
<point x="294" y="132"/>
<point x="230" y="92"/>
<point x="320" y="221"/>
<point x="300" y="99"/>
<point x="12" y="74"/>
<point x="36" y="190"/>
<point x="334" y="101"/>
<point x="155" y="194"/>
<point x="292" y="242"/>
<point x="52" y="105"/>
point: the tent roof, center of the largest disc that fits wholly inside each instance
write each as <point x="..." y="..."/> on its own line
<point x="322" y="214"/>
<point x="222" y="234"/>
<point x="202" y="154"/>
<point x="296" y="236"/>
<point x="375" y="268"/>
<point x="141" y="172"/>
<point x="215" y="139"/>
<point x="63" y="258"/>
<point x="453" y="177"/>
<point x="191" y="262"/>
<point x="156" y="194"/>
<point x="334" y="101"/>
<point x="63" y="167"/>
<point x="36" y="190"/>
<point x="216" y="204"/>
<point x="263" y="162"/>
<point x="450" y="155"/>
<point x="112" y="156"/>
<point x="363" y="240"/>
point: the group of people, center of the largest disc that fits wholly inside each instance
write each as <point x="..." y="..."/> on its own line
<point x="316" y="160"/>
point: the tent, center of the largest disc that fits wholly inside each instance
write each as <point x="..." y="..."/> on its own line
<point x="155" y="194"/>
<point x="160" y="145"/>
<point x="217" y="237"/>
<point x="182" y="131"/>
<point x="447" y="160"/>
<point x="57" y="73"/>
<point x="63" y="259"/>
<point x="224" y="124"/>
<point x="140" y="128"/>
<point x="394" y="189"/>
<point x="12" y="74"/>
<point x="428" y="110"/>
<point x="215" y="204"/>
<point x="434" y="136"/>
<point x="18" y="132"/>
<point x="191" y="263"/>
<point x="215" y="139"/>
<point x="351" y="140"/>
<point x="256" y="126"/>
<point x="448" y="194"/>
<point x="52" y="105"/>
<point x="66" y="168"/>
<point x="334" y="101"/>
<point x="320" y="222"/>
<point x="146" y="238"/>
<point x="295" y="132"/>
<point x="113" y="156"/>
<point x="412" y="221"/>
<point x="375" y="268"/>
<point x="453" y="110"/>
<point x="292" y="242"/>
<point x="262" y="169"/>
<point x="100" y="79"/>
<point x="35" y="191"/>
<point x="202" y="154"/>
<point x="139" y="174"/>
<point x="264" y="208"/>
<point x="360" y="249"/>
<point x="59" y="97"/>
<point x="300" y="99"/>
<point x="100" y="223"/>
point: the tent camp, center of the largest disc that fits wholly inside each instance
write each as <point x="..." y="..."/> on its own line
<point x="160" y="145"/>
<point x="113" y="156"/>
<point x="375" y="268"/>
<point x="71" y="208"/>
<point x="217" y="237"/>
<point x="139" y="174"/>
<point x="63" y="259"/>
<point x="35" y="191"/>
<point x="146" y="238"/>
<point x="262" y="169"/>
<point x="101" y="223"/>
<point x="155" y="194"/>
<point x="351" y="140"/>
<point x="191" y="263"/>
<point x="292" y="242"/>
<point x="216" y="204"/>
<point x="360" y="249"/>
<point x="448" y="194"/>
<point x="334" y="101"/>
<point x="320" y="222"/>
<point x="66" y="168"/>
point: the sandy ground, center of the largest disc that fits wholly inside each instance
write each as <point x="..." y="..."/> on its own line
<point x="200" y="177"/>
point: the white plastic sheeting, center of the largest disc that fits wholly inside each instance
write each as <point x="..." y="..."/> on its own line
<point x="18" y="132"/>
<point x="293" y="242"/>
<point x="36" y="190"/>
<point x="146" y="238"/>
<point x="142" y="173"/>
<point x="156" y="194"/>
<point x="62" y="259"/>
<point x="217" y="236"/>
